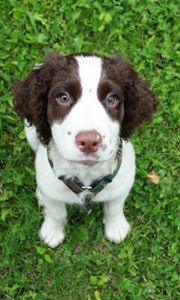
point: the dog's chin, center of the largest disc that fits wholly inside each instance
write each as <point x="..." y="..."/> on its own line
<point x="88" y="161"/>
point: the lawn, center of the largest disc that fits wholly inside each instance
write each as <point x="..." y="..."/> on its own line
<point x="86" y="266"/>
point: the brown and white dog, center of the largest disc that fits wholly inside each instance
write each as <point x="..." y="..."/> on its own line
<point x="77" y="109"/>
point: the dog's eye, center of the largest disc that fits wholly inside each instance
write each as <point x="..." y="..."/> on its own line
<point x="63" y="98"/>
<point x="112" y="99"/>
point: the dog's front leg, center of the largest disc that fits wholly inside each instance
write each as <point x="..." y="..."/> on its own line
<point x="115" y="223"/>
<point x="52" y="229"/>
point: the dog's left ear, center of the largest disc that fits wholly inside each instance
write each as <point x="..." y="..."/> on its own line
<point x="139" y="99"/>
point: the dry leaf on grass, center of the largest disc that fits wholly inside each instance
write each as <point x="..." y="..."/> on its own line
<point x="153" y="177"/>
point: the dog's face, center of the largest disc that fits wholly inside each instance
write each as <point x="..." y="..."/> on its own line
<point x="84" y="102"/>
<point x="85" y="110"/>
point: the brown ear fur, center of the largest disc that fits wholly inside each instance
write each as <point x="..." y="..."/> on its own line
<point x="139" y="103"/>
<point x="31" y="96"/>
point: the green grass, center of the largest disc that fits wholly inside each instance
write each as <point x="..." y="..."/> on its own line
<point x="86" y="266"/>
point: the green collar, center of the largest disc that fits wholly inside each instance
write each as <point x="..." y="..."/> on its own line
<point x="96" y="186"/>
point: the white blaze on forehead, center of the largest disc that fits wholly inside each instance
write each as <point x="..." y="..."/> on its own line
<point x="90" y="68"/>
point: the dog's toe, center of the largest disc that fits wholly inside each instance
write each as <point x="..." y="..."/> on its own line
<point x="116" y="232"/>
<point x="50" y="235"/>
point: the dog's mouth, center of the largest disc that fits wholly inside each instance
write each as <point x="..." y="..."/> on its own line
<point x="87" y="162"/>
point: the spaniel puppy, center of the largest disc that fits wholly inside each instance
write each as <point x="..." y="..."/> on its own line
<point x="79" y="112"/>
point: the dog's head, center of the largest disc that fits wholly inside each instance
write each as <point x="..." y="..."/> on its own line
<point x="84" y="102"/>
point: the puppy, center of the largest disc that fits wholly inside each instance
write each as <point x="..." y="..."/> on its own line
<point x="79" y="112"/>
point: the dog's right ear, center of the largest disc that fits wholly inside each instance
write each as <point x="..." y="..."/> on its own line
<point x="31" y="95"/>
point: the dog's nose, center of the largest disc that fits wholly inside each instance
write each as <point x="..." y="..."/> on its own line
<point x="88" y="141"/>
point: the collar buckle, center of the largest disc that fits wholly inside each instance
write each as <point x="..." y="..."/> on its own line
<point x="86" y="187"/>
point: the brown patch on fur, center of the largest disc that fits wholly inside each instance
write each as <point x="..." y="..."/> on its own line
<point x="56" y="111"/>
<point x="105" y="87"/>
<point x="35" y="96"/>
<point x="139" y="99"/>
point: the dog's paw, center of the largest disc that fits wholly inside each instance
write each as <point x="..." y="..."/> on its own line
<point x="116" y="232"/>
<point x="51" y="235"/>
